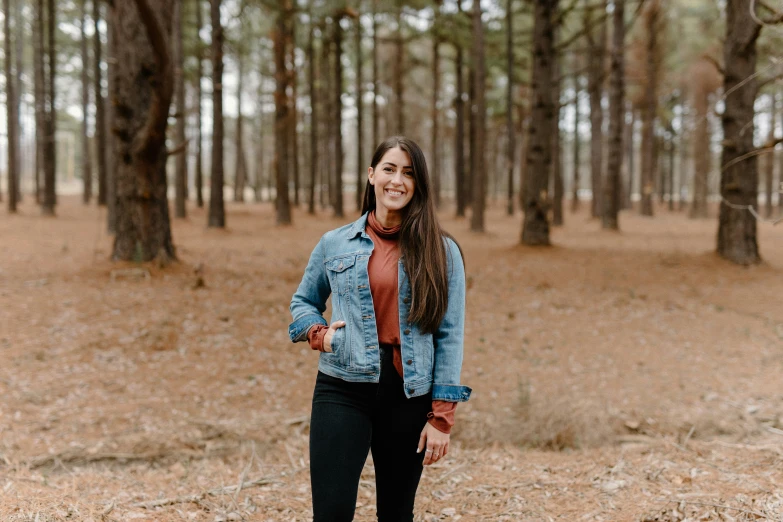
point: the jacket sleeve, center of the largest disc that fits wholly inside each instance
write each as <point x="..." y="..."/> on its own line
<point x="449" y="338"/>
<point x="309" y="301"/>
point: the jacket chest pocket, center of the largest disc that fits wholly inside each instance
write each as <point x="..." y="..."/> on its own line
<point x="341" y="274"/>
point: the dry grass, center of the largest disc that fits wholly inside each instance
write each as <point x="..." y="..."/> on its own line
<point x="628" y="377"/>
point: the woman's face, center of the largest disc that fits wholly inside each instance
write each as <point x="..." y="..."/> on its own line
<point x="392" y="180"/>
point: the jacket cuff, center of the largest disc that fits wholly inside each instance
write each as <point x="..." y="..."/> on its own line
<point x="450" y="392"/>
<point x="297" y="330"/>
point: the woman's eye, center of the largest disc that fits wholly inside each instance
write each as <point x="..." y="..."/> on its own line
<point x="387" y="169"/>
<point x="408" y="173"/>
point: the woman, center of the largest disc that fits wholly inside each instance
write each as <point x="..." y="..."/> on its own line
<point x="389" y="368"/>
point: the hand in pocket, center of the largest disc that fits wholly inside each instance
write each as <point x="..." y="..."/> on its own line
<point x="330" y="334"/>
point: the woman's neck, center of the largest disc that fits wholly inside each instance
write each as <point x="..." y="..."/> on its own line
<point x="386" y="218"/>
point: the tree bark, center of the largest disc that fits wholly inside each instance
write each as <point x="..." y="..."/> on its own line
<point x="511" y="144"/>
<point x="399" y="72"/>
<point x="769" y="162"/>
<point x="181" y="169"/>
<point x="111" y="141"/>
<point x="100" y="107"/>
<point x="595" y="74"/>
<point x="459" y="134"/>
<point x="282" y="79"/>
<point x="649" y="108"/>
<point x="240" y="170"/>
<point x="314" y="101"/>
<point x="480" y="116"/>
<point x="40" y="95"/>
<point x="612" y="186"/>
<point x="360" y="172"/>
<point x="293" y="141"/>
<point x="376" y="135"/>
<point x="576" y="154"/>
<point x="436" y="174"/>
<point x="557" y="160"/>
<point x="19" y="23"/>
<point x="86" y="157"/>
<point x="739" y="177"/>
<point x="630" y="171"/>
<point x="141" y="93"/>
<point x="12" y="119"/>
<point x="199" y="174"/>
<point x="535" y="228"/>
<point x="50" y="146"/>
<point x="217" y="212"/>
<point x="701" y="153"/>
<point x="337" y="118"/>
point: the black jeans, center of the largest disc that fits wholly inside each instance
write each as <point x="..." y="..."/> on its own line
<point x="348" y="420"/>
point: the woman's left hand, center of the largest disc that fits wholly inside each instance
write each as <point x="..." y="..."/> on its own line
<point x="436" y="443"/>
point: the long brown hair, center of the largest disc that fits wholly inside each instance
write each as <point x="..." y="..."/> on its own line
<point x="421" y="240"/>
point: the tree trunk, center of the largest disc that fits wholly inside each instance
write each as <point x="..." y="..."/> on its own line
<point x="12" y="119"/>
<point x="293" y="141"/>
<point x="576" y="158"/>
<point x="459" y="141"/>
<point x="779" y="186"/>
<point x="612" y="187"/>
<point x="326" y="169"/>
<point x="436" y="174"/>
<point x="670" y="172"/>
<point x="311" y="89"/>
<point x="19" y="23"/>
<point x="338" y="120"/>
<point x="399" y="72"/>
<point x="86" y="159"/>
<point x="181" y="170"/>
<point x="739" y="177"/>
<point x="557" y="161"/>
<point x="510" y="131"/>
<point x="535" y="227"/>
<point x="142" y="90"/>
<point x="282" y="78"/>
<point x="100" y="107"/>
<point x="480" y="117"/>
<point x="649" y="109"/>
<point x="769" y="162"/>
<point x="50" y="148"/>
<point x="111" y="141"/>
<point x="217" y="212"/>
<point x="376" y="136"/>
<point x="240" y="170"/>
<point x="199" y="174"/>
<point x="596" y="49"/>
<point x="360" y="172"/>
<point x="629" y="158"/>
<point x="701" y="153"/>
<point x="40" y="95"/>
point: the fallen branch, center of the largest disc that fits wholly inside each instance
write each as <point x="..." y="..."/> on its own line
<point x="262" y="481"/>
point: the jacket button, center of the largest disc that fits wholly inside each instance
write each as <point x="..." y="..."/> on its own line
<point x="407" y="331"/>
<point x="406" y="300"/>
<point x="411" y="390"/>
<point x="409" y="361"/>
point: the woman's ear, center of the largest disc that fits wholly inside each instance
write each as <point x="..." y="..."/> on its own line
<point x="370" y="175"/>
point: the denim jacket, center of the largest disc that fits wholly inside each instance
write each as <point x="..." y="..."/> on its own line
<point x="338" y="266"/>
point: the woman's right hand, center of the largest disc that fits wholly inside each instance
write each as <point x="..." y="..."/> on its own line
<point x="330" y="333"/>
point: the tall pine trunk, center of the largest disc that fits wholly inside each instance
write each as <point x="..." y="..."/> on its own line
<point x="181" y="165"/>
<point x="282" y="77"/>
<point x="649" y="107"/>
<point x="86" y="157"/>
<point x="434" y="114"/>
<point x="577" y="143"/>
<point x="217" y="211"/>
<point x="101" y="144"/>
<point x="12" y="119"/>
<point x="39" y="90"/>
<point x="311" y="89"/>
<point x="199" y="174"/>
<point x="460" y="188"/>
<point x="337" y="117"/>
<point x="480" y="115"/>
<point x="240" y="170"/>
<point x="511" y="143"/>
<point x="739" y="174"/>
<point x="19" y="29"/>
<point x="360" y="172"/>
<point x="628" y="142"/>
<point x="50" y="122"/>
<point x="293" y="138"/>
<point x="375" y="116"/>
<point x="612" y="185"/>
<point x="557" y="157"/>
<point x="769" y="162"/>
<point x="399" y="73"/>
<point x="535" y="227"/>
<point x="596" y="46"/>
<point x="701" y="152"/>
<point x="141" y="94"/>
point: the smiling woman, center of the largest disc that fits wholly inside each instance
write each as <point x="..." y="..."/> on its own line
<point x="389" y="372"/>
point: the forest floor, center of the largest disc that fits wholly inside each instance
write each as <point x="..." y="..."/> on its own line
<point x="629" y="376"/>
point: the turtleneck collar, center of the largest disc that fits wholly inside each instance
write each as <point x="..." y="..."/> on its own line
<point x="384" y="232"/>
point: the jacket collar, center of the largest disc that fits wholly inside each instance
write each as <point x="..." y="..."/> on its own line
<point x="358" y="227"/>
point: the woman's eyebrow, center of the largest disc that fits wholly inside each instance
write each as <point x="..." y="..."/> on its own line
<point x="394" y="165"/>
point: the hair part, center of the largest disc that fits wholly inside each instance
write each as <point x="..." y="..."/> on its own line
<point x="422" y="242"/>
